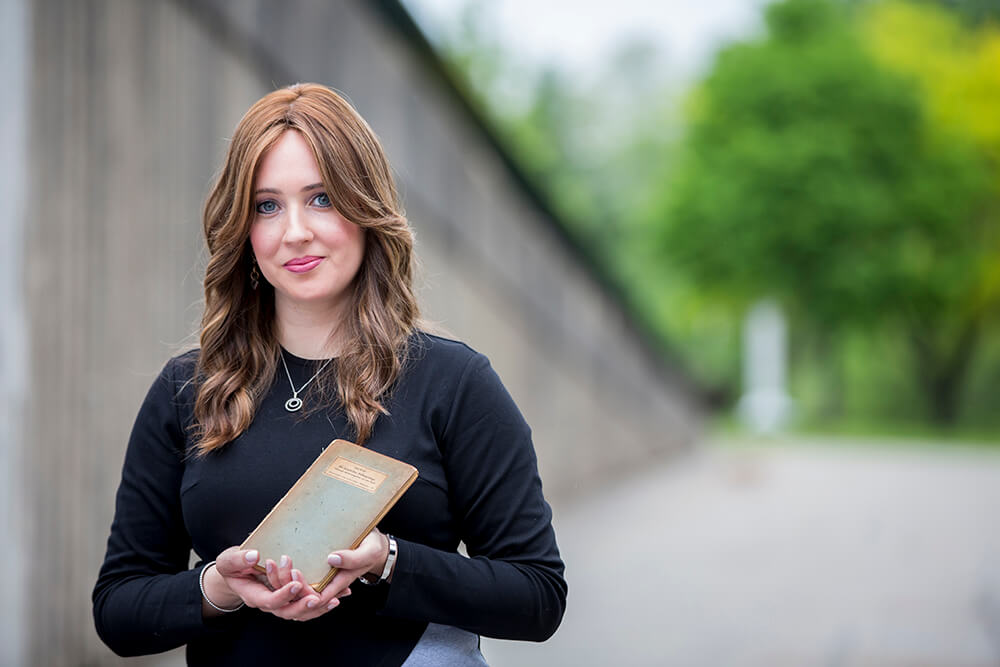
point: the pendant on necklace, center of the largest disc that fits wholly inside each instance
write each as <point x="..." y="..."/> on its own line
<point x="295" y="403"/>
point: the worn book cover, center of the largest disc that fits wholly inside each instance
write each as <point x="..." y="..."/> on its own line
<point x="334" y="505"/>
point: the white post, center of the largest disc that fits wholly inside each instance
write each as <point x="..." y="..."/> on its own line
<point x="765" y="405"/>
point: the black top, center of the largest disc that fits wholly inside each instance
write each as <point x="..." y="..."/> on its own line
<point x="449" y="415"/>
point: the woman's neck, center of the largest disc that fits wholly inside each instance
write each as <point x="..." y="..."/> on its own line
<point x="308" y="333"/>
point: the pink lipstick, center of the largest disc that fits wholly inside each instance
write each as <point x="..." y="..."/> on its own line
<point x="303" y="264"/>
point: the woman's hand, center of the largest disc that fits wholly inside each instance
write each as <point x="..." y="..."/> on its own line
<point x="369" y="557"/>
<point x="280" y="591"/>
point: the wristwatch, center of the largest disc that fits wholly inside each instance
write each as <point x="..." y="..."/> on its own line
<point x="390" y="560"/>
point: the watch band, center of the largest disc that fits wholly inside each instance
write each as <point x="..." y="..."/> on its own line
<point x="390" y="560"/>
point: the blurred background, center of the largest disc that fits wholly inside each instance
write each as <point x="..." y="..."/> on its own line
<point x="736" y="260"/>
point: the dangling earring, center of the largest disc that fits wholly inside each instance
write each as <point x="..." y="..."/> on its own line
<point x="254" y="275"/>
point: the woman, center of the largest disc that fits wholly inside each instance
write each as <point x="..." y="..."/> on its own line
<point x="310" y="334"/>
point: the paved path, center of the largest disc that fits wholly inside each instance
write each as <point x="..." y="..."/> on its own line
<point x="822" y="554"/>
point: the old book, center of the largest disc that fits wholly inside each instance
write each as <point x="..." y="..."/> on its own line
<point x="334" y="505"/>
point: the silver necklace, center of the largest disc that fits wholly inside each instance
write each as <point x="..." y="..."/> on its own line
<point x="295" y="403"/>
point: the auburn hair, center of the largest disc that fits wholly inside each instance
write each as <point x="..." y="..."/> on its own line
<point x="239" y="353"/>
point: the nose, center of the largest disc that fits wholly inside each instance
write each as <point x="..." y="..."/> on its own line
<point x="297" y="228"/>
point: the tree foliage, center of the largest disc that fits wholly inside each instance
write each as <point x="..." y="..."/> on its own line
<point x="814" y="172"/>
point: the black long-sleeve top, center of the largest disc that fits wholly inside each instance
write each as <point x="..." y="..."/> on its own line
<point x="449" y="415"/>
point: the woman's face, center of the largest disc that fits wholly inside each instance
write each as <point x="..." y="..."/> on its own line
<point x="304" y="247"/>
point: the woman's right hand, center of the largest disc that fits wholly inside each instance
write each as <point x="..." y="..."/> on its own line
<point x="281" y="591"/>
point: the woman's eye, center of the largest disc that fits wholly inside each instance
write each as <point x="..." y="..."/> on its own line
<point x="267" y="206"/>
<point x="322" y="200"/>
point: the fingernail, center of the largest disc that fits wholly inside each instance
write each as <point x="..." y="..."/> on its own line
<point x="312" y="602"/>
<point x="333" y="603"/>
<point x="284" y="561"/>
<point x="251" y="556"/>
<point x="296" y="575"/>
<point x="334" y="560"/>
<point x="296" y="587"/>
<point x="270" y="566"/>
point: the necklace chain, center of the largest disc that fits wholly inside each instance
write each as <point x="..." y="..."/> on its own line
<point x="295" y="403"/>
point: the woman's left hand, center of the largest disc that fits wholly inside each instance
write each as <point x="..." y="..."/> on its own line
<point x="369" y="557"/>
<point x="282" y="591"/>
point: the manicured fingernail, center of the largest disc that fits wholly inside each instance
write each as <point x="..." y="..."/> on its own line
<point x="270" y="566"/>
<point x="284" y="561"/>
<point x="333" y="603"/>
<point x="296" y="587"/>
<point x="296" y="575"/>
<point x="251" y="556"/>
<point x="334" y="560"/>
<point x="312" y="602"/>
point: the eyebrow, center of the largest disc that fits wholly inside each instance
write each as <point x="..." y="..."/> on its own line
<point x="278" y="192"/>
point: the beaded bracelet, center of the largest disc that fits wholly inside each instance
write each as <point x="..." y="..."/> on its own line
<point x="201" y="585"/>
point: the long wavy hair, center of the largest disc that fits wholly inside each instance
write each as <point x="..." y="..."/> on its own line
<point x="239" y="346"/>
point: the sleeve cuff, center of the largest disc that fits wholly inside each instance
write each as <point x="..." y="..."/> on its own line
<point x="401" y="588"/>
<point x="193" y="617"/>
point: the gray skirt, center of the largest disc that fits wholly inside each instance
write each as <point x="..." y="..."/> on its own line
<point x="446" y="645"/>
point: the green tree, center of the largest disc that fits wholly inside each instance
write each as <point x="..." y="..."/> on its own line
<point x="811" y="172"/>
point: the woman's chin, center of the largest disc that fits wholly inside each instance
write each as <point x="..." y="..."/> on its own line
<point x="311" y="299"/>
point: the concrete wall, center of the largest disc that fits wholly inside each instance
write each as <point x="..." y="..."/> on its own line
<point x="126" y="108"/>
<point x="15" y="54"/>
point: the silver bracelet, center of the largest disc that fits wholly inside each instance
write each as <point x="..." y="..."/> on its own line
<point x="390" y="560"/>
<point x="201" y="585"/>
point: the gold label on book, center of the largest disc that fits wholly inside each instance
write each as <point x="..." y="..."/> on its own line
<point x="355" y="474"/>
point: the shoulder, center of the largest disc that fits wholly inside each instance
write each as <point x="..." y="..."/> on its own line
<point x="184" y="363"/>
<point x="446" y="370"/>
<point x="175" y="380"/>
<point x="180" y="369"/>
<point x="442" y="356"/>
<point x="164" y="416"/>
<point x="468" y="404"/>
<point x="458" y="375"/>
